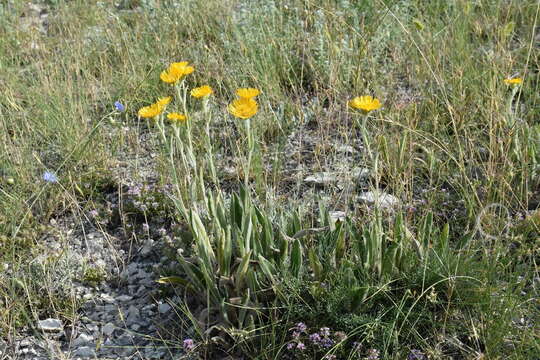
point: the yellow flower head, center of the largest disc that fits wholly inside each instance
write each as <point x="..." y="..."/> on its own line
<point x="176" y="118"/>
<point x="202" y="91"/>
<point x="164" y="101"/>
<point x="176" y="72"/>
<point x="167" y="77"/>
<point x="150" y="111"/>
<point x="248" y="93"/>
<point x="365" y="103"/>
<point x="513" y="81"/>
<point x="243" y="108"/>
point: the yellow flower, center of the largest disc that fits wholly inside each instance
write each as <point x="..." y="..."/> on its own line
<point x="176" y="118"/>
<point x="167" y="77"/>
<point x="365" y="103"/>
<point x="176" y="72"/>
<point x="181" y="68"/>
<point x="150" y="111"/>
<point x="202" y="91"/>
<point x="513" y="81"/>
<point x="243" y="108"/>
<point x="164" y="101"/>
<point x="248" y="93"/>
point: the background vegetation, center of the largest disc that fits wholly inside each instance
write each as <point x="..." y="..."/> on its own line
<point x="444" y="272"/>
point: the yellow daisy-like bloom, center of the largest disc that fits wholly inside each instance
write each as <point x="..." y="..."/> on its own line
<point x="150" y="111"/>
<point x="181" y="68"/>
<point x="176" y="118"/>
<point x="202" y="91"/>
<point x="514" y="81"/>
<point x="243" y="108"/>
<point x="167" y="77"/>
<point x="164" y="101"/>
<point x="248" y="93"/>
<point x="365" y="103"/>
<point x="176" y="72"/>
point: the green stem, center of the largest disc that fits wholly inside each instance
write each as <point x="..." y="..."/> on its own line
<point x="250" y="153"/>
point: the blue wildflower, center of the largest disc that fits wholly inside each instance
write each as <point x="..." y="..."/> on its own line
<point x="50" y="177"/>
<point x="119" y="106"/>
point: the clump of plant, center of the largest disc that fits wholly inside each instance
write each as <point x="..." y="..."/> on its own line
<point x="239" y="258"/>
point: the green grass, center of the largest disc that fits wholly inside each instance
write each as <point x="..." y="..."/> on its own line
<point x="451" y="139"/>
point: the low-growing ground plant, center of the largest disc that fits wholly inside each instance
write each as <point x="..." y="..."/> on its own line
<point x="248" y="134"/>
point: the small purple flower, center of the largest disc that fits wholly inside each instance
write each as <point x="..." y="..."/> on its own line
<point x="295" y="334"/>
<point x="134" y="190"/>
<point x="373" y="354"/>
<point x="301" y="346"/>
<point x="290" y="346"/>
<point x="93" y="213"/>
<point x="50" y="177"/>
<point x="315" y="338"/>
<point x="325" y="331"/>
<point x="119" y="106"/>
<point x="188" y="344"/>
<point x="301" y="327"/>
<point x="145" y="227"/>
<point x="327" y="342"/>
<point x="416" y="354"/>
<point x="162" y="232"/>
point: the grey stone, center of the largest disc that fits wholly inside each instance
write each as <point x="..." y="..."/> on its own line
<point x="133" y="312"/>
<point x="338" y="215"/>
<point x="322" y="178"/>
<point x="132" y="268"/>
<point x="360" y="174"/>
<point x="107" y="298"/>
<point x="85" y="352"/>
<point x="108" y="329"/>
<point x="83" y="339"/>
<point x="345" y="149"/>
<point x="124" y="340"/>
<point x="164" y="308"/>
<point x="124" y="298"/>
<point x="141" y="274"/>
<point x="379" y="199"/>
<point x="50" y="325"/>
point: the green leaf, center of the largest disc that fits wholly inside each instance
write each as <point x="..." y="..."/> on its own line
<point x="358" y="296"/>
<point x="296" y="258"/>
<point x="242" y="270"/>
<point x="315" y="265"/>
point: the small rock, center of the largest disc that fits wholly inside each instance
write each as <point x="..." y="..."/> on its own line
<point x="132" y="268"/>
<point x="124" y="340"/>
<point x="323" y="178"/>
<point x="92" y="327"/>
<point x="338" y="215"/>
<point x="124" y="298"/>
<point x="83" y="339"/>
<point x="85" y="352"/>
<point x="379" y="199"/>
<point x="108" y="329"/>
<point x="133" y="311"/>
<point x="107" y="298"/>
<point x="50" y="325"/>
<point x="360" y="174"/>
<point x="345" y="149"/>
<point x="164" y="308"/>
